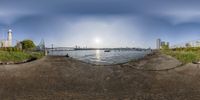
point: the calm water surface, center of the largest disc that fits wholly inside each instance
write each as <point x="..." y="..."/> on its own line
<point x="103" y="58"/>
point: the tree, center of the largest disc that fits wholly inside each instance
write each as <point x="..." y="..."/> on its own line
<point x="188" y="45"/>
<point x="27" y="44"/>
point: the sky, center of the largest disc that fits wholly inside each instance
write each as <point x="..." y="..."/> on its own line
<point x="101" y="23"/>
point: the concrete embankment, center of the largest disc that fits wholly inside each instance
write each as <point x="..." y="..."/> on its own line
<point x="60" y="78"/>
<point x="155" y="62"/>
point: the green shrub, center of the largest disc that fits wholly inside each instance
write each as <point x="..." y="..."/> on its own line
<point x="13" y="56"/>
<point x="37" y="55"/>
<point x="10" y="49"/>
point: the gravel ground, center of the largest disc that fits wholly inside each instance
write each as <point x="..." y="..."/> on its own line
<point x="60" y="78"/>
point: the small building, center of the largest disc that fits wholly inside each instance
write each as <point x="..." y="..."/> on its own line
<point x="7" y="42"/>
<point x="19" y="45"/>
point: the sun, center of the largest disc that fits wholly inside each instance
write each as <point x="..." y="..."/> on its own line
<point x="97" y="40"/>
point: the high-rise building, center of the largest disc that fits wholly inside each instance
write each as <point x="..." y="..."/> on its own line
<point x="158" y="43"/>
<point x="9" y="39"/>
<point x="167" y="44"/>
<point x="162" y="43"/>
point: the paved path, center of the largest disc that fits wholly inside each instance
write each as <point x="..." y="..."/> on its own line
<point x="60" y="78"/>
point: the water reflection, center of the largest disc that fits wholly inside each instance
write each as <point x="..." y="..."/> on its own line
<point x="102" y="58"/>
<point x="98" y="54"/>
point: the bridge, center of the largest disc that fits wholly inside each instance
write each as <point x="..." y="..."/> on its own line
<point x="73" y="49"/>
<point x="61" y="49"/>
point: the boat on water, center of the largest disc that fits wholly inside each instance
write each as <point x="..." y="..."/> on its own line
<point x="106" y="50"/>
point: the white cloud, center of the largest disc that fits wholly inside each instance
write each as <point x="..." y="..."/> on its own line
<point x="9" y="16"/>
<point x="183" y="16"/>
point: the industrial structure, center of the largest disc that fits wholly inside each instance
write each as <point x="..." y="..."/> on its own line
<point x="7" y="42"/>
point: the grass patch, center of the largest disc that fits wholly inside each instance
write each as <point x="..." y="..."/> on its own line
<point x="14" y="56"/>
<point x="185" y="56"/>
<point x="37" y="55"/>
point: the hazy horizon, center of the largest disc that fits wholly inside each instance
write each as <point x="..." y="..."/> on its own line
<point x="101" y="23"/>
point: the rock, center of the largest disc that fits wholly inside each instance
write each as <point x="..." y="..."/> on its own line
<point x="67" y="55"/>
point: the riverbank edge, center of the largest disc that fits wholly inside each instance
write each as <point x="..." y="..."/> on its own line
<point x="126" y="64"/>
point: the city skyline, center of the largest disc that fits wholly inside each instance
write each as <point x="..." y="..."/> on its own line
<point x="93" y="23"/>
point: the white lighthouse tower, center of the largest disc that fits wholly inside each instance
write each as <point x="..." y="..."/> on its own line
<point x="9" y="39"/>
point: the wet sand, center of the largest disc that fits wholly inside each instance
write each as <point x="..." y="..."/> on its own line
<point x="61" y="78"/>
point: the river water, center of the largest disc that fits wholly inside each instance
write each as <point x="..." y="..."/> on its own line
<point x="100" y="57"/>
